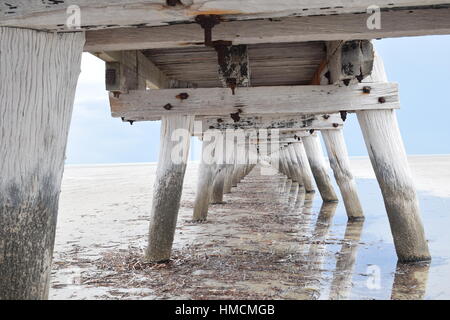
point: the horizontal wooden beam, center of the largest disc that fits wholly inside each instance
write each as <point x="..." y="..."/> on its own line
<point x="100" y="14"/>
<point x="282" y="123"/>
<point x="396" y="23"/>
<point x="277" y="100"/>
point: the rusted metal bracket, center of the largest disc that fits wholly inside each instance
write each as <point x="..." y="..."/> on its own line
<point x="207" y="22"/>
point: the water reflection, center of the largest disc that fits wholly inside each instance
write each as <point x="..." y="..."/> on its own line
<point x="342" y="276"/>
<point x="318" y="247"/>
<point x="293" y="195"/>
<point x="410" y="282"/>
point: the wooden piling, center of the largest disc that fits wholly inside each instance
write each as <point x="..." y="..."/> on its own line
<point x="228" y="183"/>
<point x="296" y="168"/>
<point x="288" y="164"/>
<point x="205" y="183"/>
<point x="168" y="186"/>
<point x="38" y="77"/>
<point x="317" y="163"/>
<point x="305" y="169"/>
<point x="389" y="161"/>
<point x="340" y="163"/>
<point x="218" y="185"/>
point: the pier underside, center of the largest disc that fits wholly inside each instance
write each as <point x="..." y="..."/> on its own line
<point x="257" y="84"/>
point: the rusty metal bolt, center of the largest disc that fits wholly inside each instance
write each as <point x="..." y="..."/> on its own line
<point x="219" y="120"/>
<point x="335" y="125"/>
<point x="366" y="89"/>
<point x="381" y="99"/>
<point x="182" y="96"/>
<point x="168" y="106"/>
<point x="235" y="116"/>
<point x="326" y="116"/>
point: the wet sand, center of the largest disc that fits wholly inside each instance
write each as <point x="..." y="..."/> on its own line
<point x="269" y="240"/>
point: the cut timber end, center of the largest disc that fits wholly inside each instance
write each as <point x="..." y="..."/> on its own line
<point x="168" y="186"/>
<point x="389" y="161"/>
<point x="349" y="61"/>
<point x="38" y="77"/>
<point x="340" y="163"/>
<point x="233" y="66"/>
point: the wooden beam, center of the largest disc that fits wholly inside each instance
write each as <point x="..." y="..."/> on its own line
<point x="396" y="23"/>
<point x="278" y="100"/>
<point x="99" y="14"/>
<point x="282" y="123"/>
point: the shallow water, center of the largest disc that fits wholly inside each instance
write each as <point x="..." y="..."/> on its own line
<point x="269" y="240"/>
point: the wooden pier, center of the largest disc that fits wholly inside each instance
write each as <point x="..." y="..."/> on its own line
<point x="256" y="83"/>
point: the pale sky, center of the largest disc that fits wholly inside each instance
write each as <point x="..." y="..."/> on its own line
<point x="420" y="65"/>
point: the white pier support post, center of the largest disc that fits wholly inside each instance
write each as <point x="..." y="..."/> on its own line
<point x="389" y="161"/>
<point x="279" y="163"/>
<point x="317" y="163"/>
<point x="288" y="164"/>
<point x="340" y="163"/>
<point x="229" y="168"/>
<point x="296" y="166"/>
<point x="38" y="78"/>
<point x="218" y="185"/>
<point x="205" y="183"/>
<point x="228" y="178"/>
<point x="306" y="173"/>
<point x="168" y="185"/>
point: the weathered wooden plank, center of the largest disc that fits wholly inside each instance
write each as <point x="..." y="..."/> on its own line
<point x="253" y="101"/>
<point x="397" y="23"/>
<point x="52" y="15"/>
<point x="282" y="123"/>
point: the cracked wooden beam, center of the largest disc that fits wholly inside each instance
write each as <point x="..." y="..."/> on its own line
<point x="111" y="14"/>
<point x="396" y="23"/>
<point x="282" y="123"/>
<point x="153" y="104"/>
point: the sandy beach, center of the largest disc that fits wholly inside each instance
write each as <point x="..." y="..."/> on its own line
<point x="269" y="240"/>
